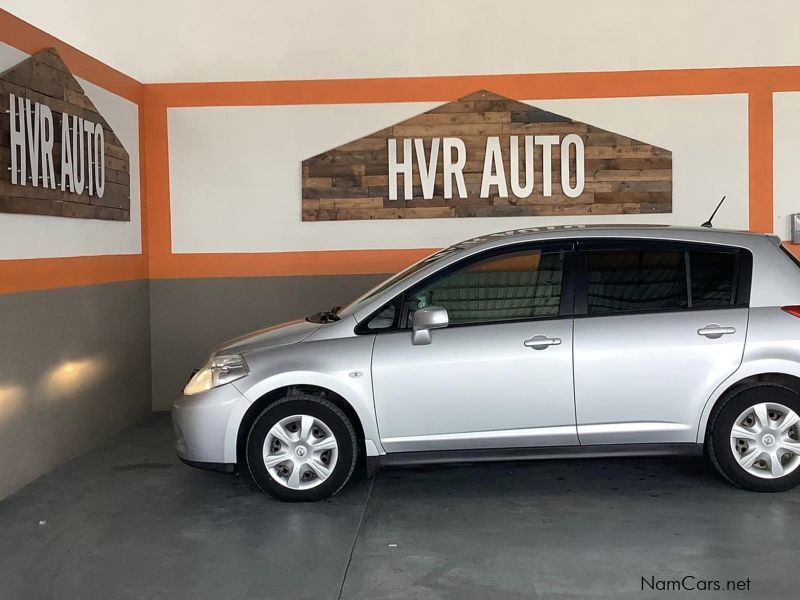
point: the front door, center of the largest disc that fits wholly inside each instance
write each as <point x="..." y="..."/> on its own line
<point x="664" y="325"/>
<point x="499" y="376"/>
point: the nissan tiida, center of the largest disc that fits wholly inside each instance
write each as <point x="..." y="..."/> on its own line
<point x="537" y="343"/>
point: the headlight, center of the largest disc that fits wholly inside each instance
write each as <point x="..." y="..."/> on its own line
<point x="219" y="371"/>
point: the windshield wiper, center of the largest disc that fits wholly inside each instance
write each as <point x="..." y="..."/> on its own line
<point x="326" y="316"/>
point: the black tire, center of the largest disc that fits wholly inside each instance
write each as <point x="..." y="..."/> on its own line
<point x="721" y="422"/>
<point x="301" y="403"/>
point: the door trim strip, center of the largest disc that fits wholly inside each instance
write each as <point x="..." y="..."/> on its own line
<point x="553" y="452"/>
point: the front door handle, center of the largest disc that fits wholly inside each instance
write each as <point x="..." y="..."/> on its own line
<point x="540" y="342"/>
<point x="714" y="331"/>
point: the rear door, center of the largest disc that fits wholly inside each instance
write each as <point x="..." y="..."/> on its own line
<point x="659" y="325"/>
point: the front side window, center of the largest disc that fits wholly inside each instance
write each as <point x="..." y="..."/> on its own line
<point x="514" y="286"/>
<point x="635" y="279"/>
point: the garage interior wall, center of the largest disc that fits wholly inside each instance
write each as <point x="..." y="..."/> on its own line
<point x="74" y="301"/>
<point x="104" y="321"/>
<point x="234" y="237"/>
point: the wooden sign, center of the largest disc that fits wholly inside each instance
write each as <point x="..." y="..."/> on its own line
<point x="487" y="156"/>
<point x="58" y="155"/>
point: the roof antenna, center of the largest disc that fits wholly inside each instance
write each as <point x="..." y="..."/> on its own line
<point x="711" y="218"/>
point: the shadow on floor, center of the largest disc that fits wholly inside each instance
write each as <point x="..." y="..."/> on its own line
<point x="129" y="521"/>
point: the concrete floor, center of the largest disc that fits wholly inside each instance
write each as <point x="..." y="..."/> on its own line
<point x="128" y="521"/>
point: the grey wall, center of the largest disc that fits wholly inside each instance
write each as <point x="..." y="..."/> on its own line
<point x="189" y="317"/>
<point x="74" y="368"/>
<point x="78" y="364"/>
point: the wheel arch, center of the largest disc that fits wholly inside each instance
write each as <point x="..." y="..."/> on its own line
<point x="783" y="373"/>
<point x="260" y="404"/>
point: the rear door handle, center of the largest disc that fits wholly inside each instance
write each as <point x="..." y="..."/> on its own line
<point x="540" y="342"/>
<point x="714" y="331"/>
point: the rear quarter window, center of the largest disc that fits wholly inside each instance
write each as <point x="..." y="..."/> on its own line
<point x="713" y="275"/>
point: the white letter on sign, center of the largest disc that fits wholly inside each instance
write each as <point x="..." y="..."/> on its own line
<point x="88" y="129"/>
<point x="493" y="161"/>
<point x="33" y="127"/>
<point x="427" y="172"/>
<point x="404" y="168"/>
<point x="19" y="163"/>
<point x="78" y="156"/>
<point x="66" y="155"/>
<point x="454" y="169"/>
<point x="521" y="191"/>
<point x="99" y="160"/>
<point x="572" y="140"/>
<point x="547" y="142"/>
<point x="48" y="137"/>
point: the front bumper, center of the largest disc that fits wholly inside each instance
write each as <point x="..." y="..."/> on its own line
<point x="204" y="426"/>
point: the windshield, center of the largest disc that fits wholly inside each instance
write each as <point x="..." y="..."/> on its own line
<point x="408" y="272"/>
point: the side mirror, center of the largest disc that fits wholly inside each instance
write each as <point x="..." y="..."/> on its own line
<point x="425" y="320"/>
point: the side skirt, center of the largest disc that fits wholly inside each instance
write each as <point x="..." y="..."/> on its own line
<point x="208" y="466"/>
<point x="553" y="452"/>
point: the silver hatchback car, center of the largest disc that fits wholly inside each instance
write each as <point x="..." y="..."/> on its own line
<point x="536" y="343"/>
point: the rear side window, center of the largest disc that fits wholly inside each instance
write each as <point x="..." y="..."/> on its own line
<point x="635" y="279"/>
<point x="653" y="277"/>
<point x="713" y="275"/>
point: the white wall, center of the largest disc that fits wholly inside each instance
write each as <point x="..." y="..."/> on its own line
<point x="33" y="236"/>
<point x="210" y="40"/>
<point x="786" y="160"/>
<point x="235" y="172"/>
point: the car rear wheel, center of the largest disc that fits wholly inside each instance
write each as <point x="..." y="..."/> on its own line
<point x="301" y="448"/>
<point x="755" y="438"/>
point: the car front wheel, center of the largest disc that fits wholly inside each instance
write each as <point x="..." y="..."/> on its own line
<point x="301" y="448"/>
<point x="755" y="438"/>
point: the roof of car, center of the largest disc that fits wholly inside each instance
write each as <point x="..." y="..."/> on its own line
<point x="609" y="230"/>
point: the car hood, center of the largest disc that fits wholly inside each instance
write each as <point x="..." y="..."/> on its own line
<point x="279" y="335"/>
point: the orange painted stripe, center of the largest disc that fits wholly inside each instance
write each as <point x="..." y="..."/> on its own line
<point x="759" y="110"/>
<point x="521" y="86"/>
<point x="156" y="150"/>
<point x="143" y="196"/>
<point x="333" y="262"/>
<point x="29" y="39"/>
<point x="50" y="273"/>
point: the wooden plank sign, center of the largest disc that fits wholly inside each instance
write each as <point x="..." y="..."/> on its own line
<point x="487" y="156"/>
<point x="58" y="155"/>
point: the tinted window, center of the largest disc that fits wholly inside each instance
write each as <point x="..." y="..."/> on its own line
<point x="635" y="279"/>
<point x="713" y="277"/>
<point x="518" y="285"/>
